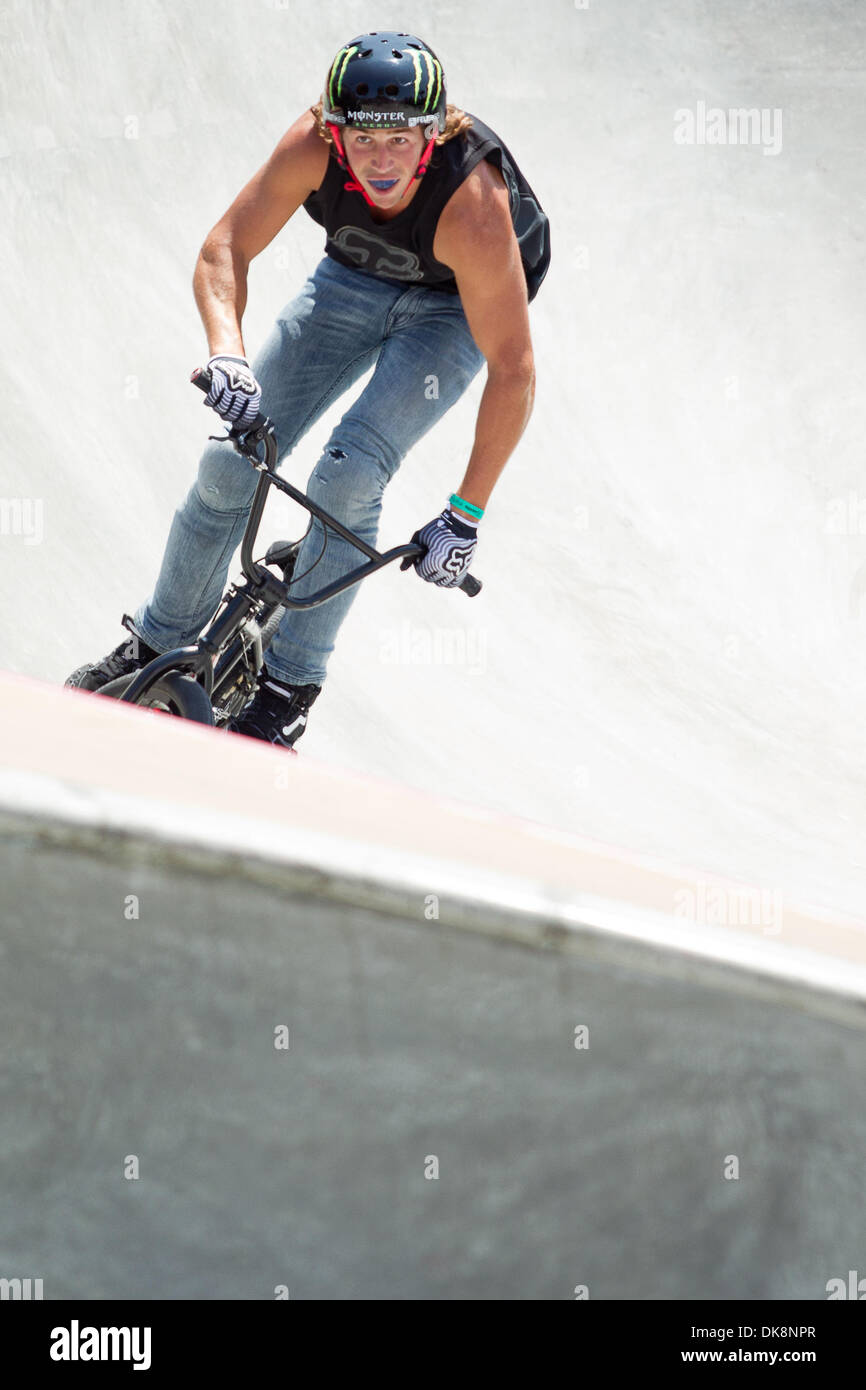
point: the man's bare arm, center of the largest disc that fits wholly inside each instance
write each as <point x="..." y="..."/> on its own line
<point x="475" y="237"/>
<point x="295" y="170"/>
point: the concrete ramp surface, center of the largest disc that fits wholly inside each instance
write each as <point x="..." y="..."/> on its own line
<point x="244" y="1051"/>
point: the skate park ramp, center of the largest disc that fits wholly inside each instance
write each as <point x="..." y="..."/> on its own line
<point x="668" y="656"/>
<point x="670" y="649"/>
<point x="270" y="1030"/>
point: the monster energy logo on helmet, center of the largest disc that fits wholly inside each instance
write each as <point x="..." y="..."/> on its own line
<point x="385" y="79"/>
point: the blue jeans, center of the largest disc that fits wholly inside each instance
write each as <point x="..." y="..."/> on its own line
<point x="341" y="323"/>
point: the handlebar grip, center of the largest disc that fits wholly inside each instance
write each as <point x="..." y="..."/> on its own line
<point x="469" y="584"/>
<point x="202" y="378"/>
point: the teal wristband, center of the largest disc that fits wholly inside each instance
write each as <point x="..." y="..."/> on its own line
<point x="469" y="507"/>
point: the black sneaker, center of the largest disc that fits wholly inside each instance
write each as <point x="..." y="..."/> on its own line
<point x="130" y="656"/>
<point x="277" y="713"/>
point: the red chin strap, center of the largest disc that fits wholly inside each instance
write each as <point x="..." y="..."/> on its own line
<point x="425" y="159"/>
<point x="352" y="185"/>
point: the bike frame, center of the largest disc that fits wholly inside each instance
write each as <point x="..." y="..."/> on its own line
<point x="201" y="659"/>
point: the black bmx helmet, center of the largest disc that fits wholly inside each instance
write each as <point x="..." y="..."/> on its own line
<point x="385" y="80"/>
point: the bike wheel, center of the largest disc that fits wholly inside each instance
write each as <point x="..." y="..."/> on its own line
<point x="174" y="693"/>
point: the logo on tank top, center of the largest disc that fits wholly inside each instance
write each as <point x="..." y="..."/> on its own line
<point x="376" y="255"/>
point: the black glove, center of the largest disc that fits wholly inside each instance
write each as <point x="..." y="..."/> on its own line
<point x="449" y="544"/>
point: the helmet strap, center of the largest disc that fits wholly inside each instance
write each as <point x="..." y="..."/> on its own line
<point x="351" y="185"/>
<point x="425" y="159"/>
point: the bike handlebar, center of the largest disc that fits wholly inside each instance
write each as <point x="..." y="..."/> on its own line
<point x="260" y="428"/>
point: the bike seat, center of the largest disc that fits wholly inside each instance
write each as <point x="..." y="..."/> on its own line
<point x="284" y="554"/>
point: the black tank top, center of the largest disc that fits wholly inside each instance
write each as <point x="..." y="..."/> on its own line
<point x="401" y="250"/>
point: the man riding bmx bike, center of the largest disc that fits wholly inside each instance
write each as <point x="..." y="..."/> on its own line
<point x="435" y="246"/>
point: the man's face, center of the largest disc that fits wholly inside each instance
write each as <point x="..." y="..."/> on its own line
<point x="385" y="160"/>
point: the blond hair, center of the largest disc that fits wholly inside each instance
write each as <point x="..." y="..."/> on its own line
<point x="456" y="123"/>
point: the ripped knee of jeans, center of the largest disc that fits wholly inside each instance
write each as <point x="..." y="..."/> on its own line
<point x="349" y="484"/>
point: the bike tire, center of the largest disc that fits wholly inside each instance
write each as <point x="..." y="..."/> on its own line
<point x="270" y="627"/>
<point x="174" y="693"/>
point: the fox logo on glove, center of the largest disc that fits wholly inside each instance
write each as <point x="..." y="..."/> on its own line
<point x="449" y="543"/>
<point x="234" y="392"/>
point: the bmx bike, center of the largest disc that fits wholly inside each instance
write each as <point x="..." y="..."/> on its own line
<point x="212" y="680"/>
